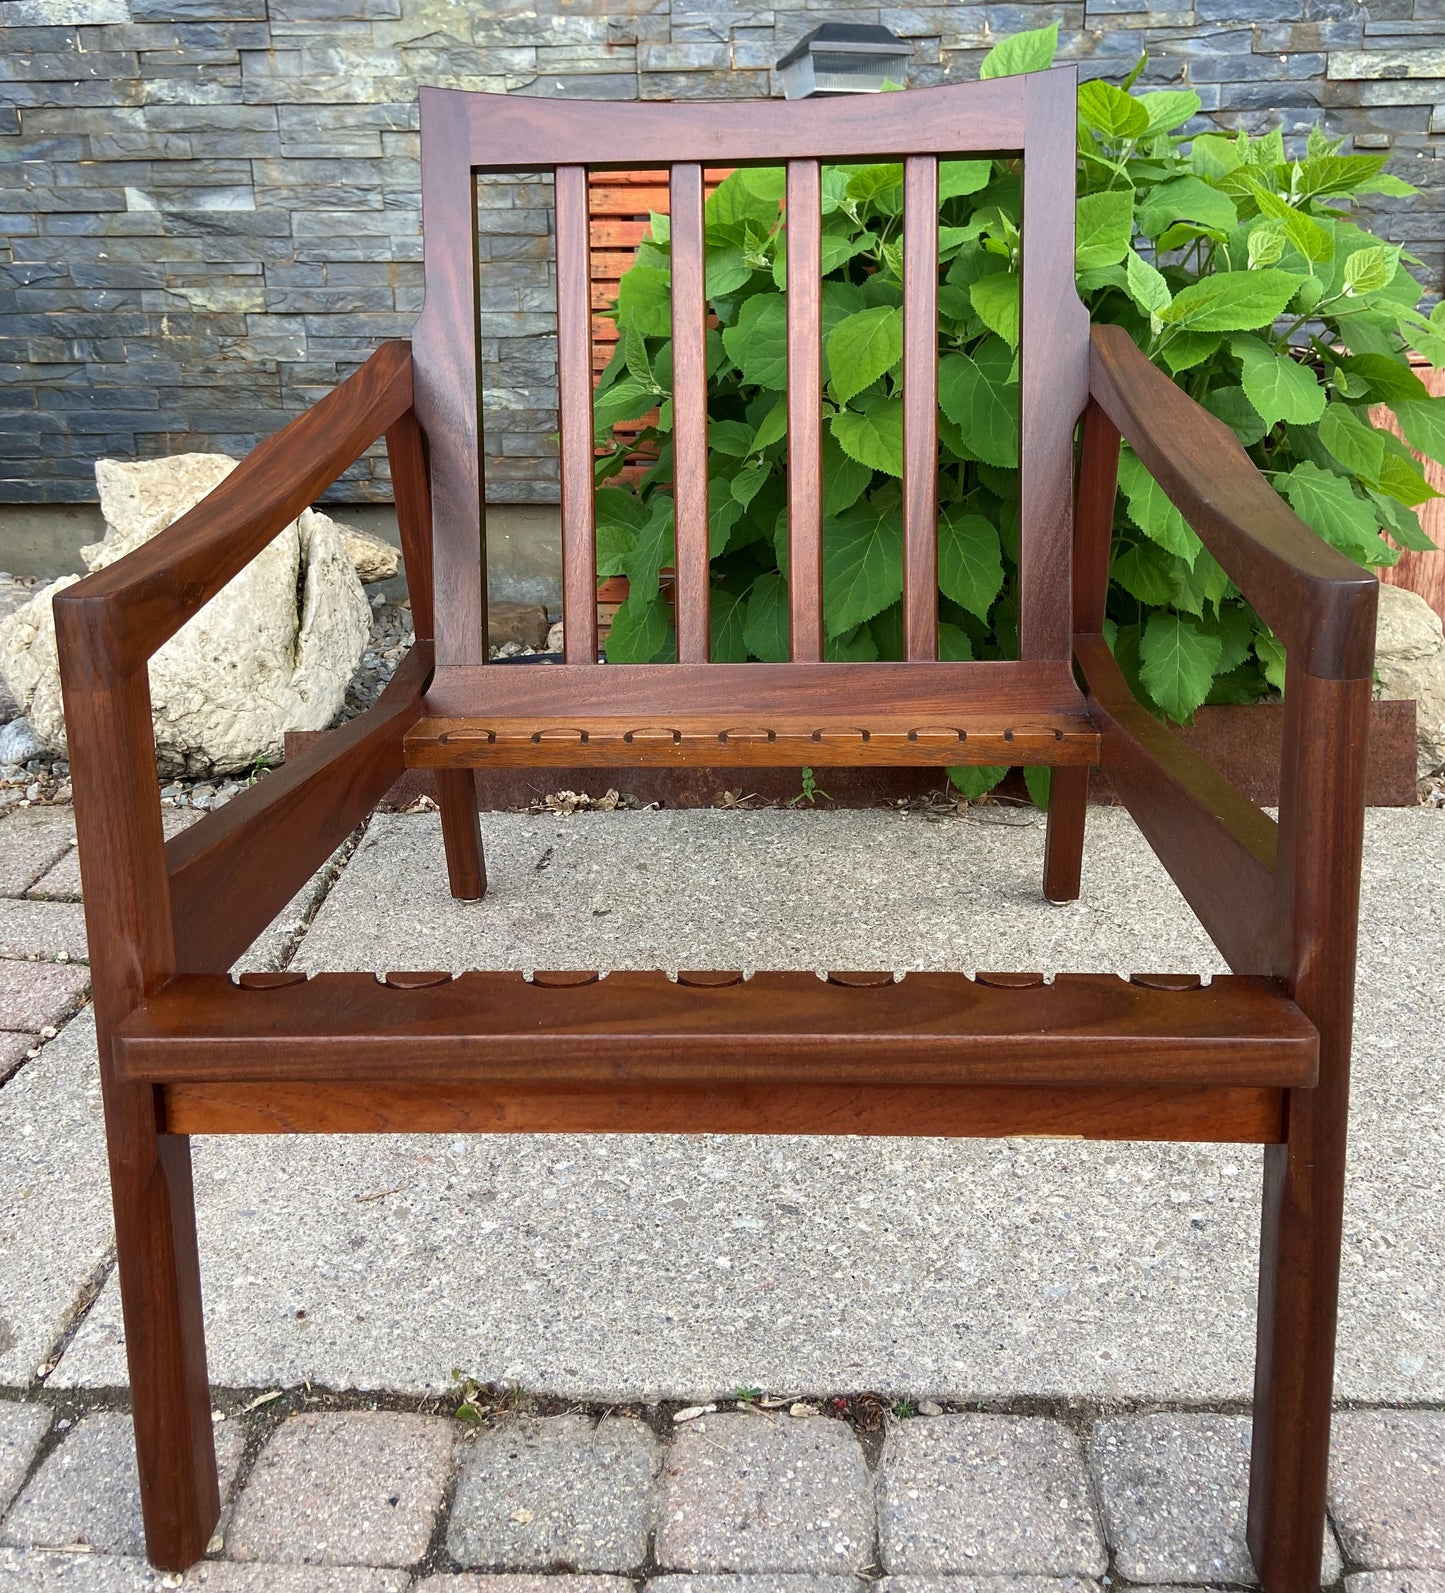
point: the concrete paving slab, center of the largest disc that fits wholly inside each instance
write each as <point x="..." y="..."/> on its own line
<point x="38" y="995"/>
<point x="1174" y="1488"/>
<point x="1387" y="1487"/>
<point x="55" y="1221"/>
<point x="753" y="1492"/>
<point x="21" y="1429"/>
<point x="14" y="1051"/>
<point x="541" y="1493"/>
<point x="31" y="840"/>
<point x="38" y="1571"/>
<point x="986" y="1584"/>
<point x="86" y="1494"/>
<point x="687" y="1267"/>
<point x="986" y="1494"/>
<point x="346" y="1488"/>
<point x="41" y="929"/>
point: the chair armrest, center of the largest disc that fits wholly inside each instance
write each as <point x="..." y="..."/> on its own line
<point x="110" y="623"/>
<point x="1317" y="601"/>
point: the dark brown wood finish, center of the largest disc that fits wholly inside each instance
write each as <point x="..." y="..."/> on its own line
<point x="1097" y="490"/>
<point x="805" y="424"/>
<point x="449" y="386"/>
<point x="784" y="1027"/>
<point x="128" y="926"/>
<point x="1262" y="1057"/>
<point x="574" y="381"/>
<point x="1218" y="1115"/>
<point x="1321" y="840"/>
<point x="1054" y="371"/>
<point x="689" y="413"/>
<point x="920" y="407"/>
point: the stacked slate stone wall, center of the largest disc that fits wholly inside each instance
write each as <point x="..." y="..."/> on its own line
<point x="209" y="208"/>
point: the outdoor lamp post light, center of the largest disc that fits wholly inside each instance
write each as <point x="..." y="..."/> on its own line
<point x="844" y="58"/>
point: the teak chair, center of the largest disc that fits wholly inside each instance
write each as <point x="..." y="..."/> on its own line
<point x="1258" y="1056"/>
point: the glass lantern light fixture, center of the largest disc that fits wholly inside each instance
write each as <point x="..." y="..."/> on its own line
<point x="844" y="58"/>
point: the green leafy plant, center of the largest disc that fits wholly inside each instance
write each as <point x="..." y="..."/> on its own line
<point x="1234" y="266"/>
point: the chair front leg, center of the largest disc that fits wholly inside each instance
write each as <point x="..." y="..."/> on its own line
<point x="1321" y="842"/>
<point x="128" y="926"/>
<point x="1064" y="839"/>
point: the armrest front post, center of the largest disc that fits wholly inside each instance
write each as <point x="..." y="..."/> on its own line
<point x="128" y="926"/>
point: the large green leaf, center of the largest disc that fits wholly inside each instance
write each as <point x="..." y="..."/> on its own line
<point x="1185" y="199"/>
<point x="1311" y="237"/>
<point x="862" y="348"/>
<point x="1352" y="442"/>
<point x="970" y="567"/>
<point x="1023" y="52"/>
<point x="973" y="780"/>
<point x="758" y="342"/>
<point x="996" y="301"/>
<point x="1177" y="663"/>
<point x="1279" y="388"/>
<point x="1168" y="109"/>
<point x="626" y="399"/>
<point x="1423" y="422"/>
<point x="641" y="632"/>
<point x="1146" y="284"/>
<point x="1151" y="510"/>
<point x="766" y="628"/>
<point x="727" y="613"/>
<point x="735" y="201"/>
<point x="862" y="561"/>
<point x="873" y="435"/>
<point x="845" y="480"/>
<point x="1328" y="503"/>
<point x="727" y="270"/>
<point x="1233" y="301"/>
<point x="1110" y="112"/>
<point x="1104" y="224"/>
<point x="723" y="513"/>
<point x="976" y="395"/>
<point x="644" y="301"/>
<point x="958" y="177"/>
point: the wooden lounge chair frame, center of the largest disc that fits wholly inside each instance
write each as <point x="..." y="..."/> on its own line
<point x="1261" y="1055"/>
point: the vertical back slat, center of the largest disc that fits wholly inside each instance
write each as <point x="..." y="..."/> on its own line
<point x="574" y="385"/>
<point x="805" y="427"/>
<point x="689" y="413"/>
<point x="447" y="383"/>
<point x="920" y="407"/>
<point x="1054" y="379"/>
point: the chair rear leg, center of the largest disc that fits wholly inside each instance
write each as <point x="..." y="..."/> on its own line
<point x="160" y="1288"/>
<point x="1064" y="844"/>
<point x="462" y="834"/>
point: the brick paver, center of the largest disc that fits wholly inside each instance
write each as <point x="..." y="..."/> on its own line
<point x="32" y="840"/>
<point x="1396" y="1582"/>
<point x="523" y="1582"/>
<point x="774" y="1582"/>
<point x="556" y="1492"/>
<point x="41" y="929"/>
<point x="354" y="1487"/>
<point x="983" y="1494"/>
<point x="21" y="1429"/>
<point x="1174" y="1488"/>
<point x="61" y="881"/>
<point x="1387" y="1487"/>
<point x="34" y="995"/>
<point x="753" y="1492"/>
<point x="87" y="1493"/>
<point x="36" y="1571"/>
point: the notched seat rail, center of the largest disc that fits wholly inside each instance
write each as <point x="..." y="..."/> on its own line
<point x="579" y="1031"/>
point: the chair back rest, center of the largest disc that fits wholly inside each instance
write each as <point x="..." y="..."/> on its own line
<point x="464" y="134"/>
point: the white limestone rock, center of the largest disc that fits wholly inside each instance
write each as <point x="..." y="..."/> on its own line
<point x="273" y="651"/>
<point x="1410" y="662"/>
<point x="373" y="558"/>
